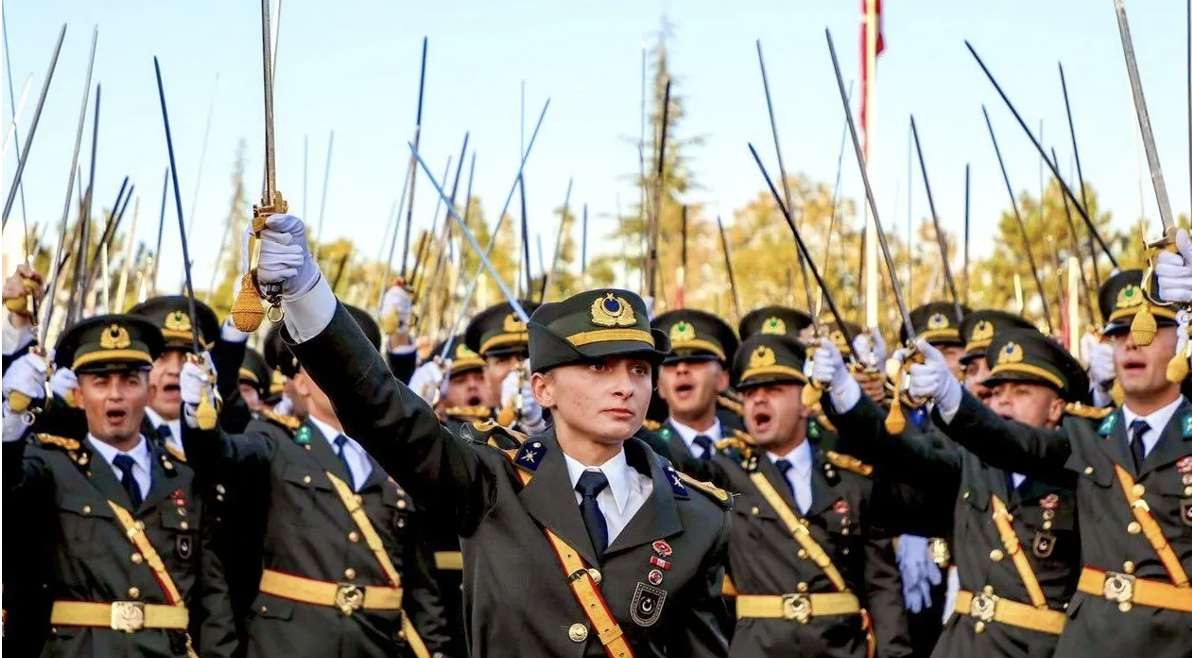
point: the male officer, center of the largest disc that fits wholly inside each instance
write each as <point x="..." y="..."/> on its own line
<point x="128" y="534"/>
<point x="1132" y="474"/>
<point x="460" y="395"/>
<point x="1015" y="537"/>
<point x="499" y="336"/>
<point x="256" y="381"/>
<point x="340" y="572"/>
<point x="802" y="551"/>
<point x="978" y="329"/>
<point x="632" y="566"/>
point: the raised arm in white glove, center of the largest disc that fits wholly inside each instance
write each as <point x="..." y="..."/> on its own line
<point x="829" y="370"/>
<point x="530" y="419"/>
<point x="192" y="382"/>
<point x="63" y="382"/>
<point x="870" y="348"/>
<point x="397" y="303"/>
<point x="286" y="260"/>
<point x="1174" y="271"/>
<point x="428" y="380"/>
<point x="26" y="375"/>
<point x="933" y="379"/>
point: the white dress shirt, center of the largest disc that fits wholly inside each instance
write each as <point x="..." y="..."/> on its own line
<point x="1157" y="420"/>
<point x="688" y="435"/>
<point x="799" y="477"/>
<point x="627" y="490"/>
<point x="175" y="437"/>
<point x="142" y="461"/>
<point x="354" y="453"/>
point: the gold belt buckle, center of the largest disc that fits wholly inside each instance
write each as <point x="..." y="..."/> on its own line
<point x="1119" y="587"/>
<point x="796" y="607"/>
<point x="349" y="598"/>
<point x="983" y="606"/>
<point x="128" y="616"/>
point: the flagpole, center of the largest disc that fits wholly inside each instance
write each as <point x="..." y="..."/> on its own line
<point x="870" y="63"/>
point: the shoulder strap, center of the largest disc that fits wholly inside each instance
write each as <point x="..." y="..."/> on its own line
<point x="1003" y="520"/>
<point x="1150" y="528"/>
<point x="798" y="530"/>
<point x="582" y="586"/>
<point x="139" y="541"/>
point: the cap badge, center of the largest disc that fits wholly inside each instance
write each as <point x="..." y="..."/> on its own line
<point x="1129" y="297"/>
<point x="762" y="357"/>
<point x="774" y="327"/>
<point x="982" y="331"/>
<point x="938" y="321"/>
<point x="1011" y="353"/>
<point x="681" y="332"/>
<point x="514" y="325"/>
<point x="177" y="321"/>
<point x="610" y="311"/>
<point x="114" y="337"/>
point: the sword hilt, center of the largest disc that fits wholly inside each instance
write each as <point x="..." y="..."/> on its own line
<point x="247" y="313"/>
<point x="1143" y="327"/>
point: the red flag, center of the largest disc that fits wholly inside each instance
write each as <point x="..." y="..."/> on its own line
<point x="865" y="54"/>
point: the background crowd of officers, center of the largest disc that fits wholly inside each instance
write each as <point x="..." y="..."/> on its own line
<point x="501" y="494"/>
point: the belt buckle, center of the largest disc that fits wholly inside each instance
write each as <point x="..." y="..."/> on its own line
<point x="983" y="607"/>
<point x="128" y="616"/>
<point x="349" y="598"/>
<point x="796" y="607"/>
<point x="1119" y="587"/>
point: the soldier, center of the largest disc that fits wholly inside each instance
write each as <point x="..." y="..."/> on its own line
<point x="631" y="567"/>
<point x="501" y="339"/>
<point x="460" y="395"/>
<point x="978" y="329"/>
<point x="340" y="570"/>
<point x="1015" y="537"/>
<point x="802" y="549"/>
<point x="256" y="381"/>
<point x="690" y="381"/>
<point x="128" y="532"/>
<point x="1132" y="472"/>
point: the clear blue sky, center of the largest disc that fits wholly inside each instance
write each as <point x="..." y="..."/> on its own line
<point x="352" y="67"/>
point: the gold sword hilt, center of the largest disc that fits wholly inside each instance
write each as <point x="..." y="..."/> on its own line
<point x="895" y="421"/>
<point x="247" y="313"/>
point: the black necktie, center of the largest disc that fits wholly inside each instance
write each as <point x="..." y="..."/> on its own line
<point x="705" y="443"/>
<point x="164" y="432"/>
<point x="1138" y="427"/>
<point x="590" y="484"/>
<point x="784" y="466"/>
<point x="340" y="441"/>
<point x="125" y="463"/>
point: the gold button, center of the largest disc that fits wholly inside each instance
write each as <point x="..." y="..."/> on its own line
<point x="401" y="634"/>
<point x="801" y="588"/>
<point x="1134" y="528"/>
<point x="1088" y="470"/>
<point x="264" y="609"/>
<point x="140" y="525"/>
<point x="353" y="536"/>
<point x="181" y="511"/>
<point x="166" y="464"/>
<point x="1138" y="490"/>
<point x="134" y="593"/>
<point x="996" y="555"/>
<point x="755" y="511"/>
<point x="219" y="498"/>
<point x="1188" y="491"/>
<point x="1125" y="606"/>
<point x="988" y="589"/>
<point x="87" y="509"/>
<point x="577" y="632"/>
<point x="844" y="521"/>
<point x="350" y="573"/>
<point x="1128" y="567"/>
<point x="219" y="488"/>
<point x="305" y="479"/>
<point x="966" y="495"/>
<point x="979" y="628"/>
<point x="1048" y="514"/>
<point x="802" y="554"/>
<point x="844" y="530"/>
<point x="401" y="503"/>
<point x="595" y="574"/>
<point x="137" y="558"/>
<point x="1047" y="525"/>
<point x="184" y="525"/>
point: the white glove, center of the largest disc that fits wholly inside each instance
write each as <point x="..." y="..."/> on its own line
<point x="26" y="375"/>
<point x="228" y="332"/>
<point x="192" y="382"/>
<point x="829" y="369"/>
<point x="1182" y="317"/>
<point x="1174" y="271"/>
<point x="933" y="379"/>
<point x="63" y="381"/>
<point x="919" y="572"/>
<point x="428" y="379"/>
<point x="397" y="301"/>
<point x="284" y="406"/>
<point x="285" y="257"/>
<point x="870" y="348"/>
<point x="530" y="418"/>
<point x="1101" y="365"/>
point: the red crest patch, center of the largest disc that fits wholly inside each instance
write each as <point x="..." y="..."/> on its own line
<point x="1050" y="501"/>
<point x="1184" y="465"/>
<point x="662" y="548"/>
<point x="659" y="562"/>
<point x="841" y="507"/>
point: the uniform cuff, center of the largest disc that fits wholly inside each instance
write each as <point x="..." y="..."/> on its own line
<point x="15" y="339"/>
<point x="309" y="314"/>
<point x="230" y="333"/>
<point x="403" y="350"/>
<point x="845" y="397"/>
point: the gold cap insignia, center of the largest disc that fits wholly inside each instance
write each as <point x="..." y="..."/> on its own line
<point x="938" y="321"/>
<point x="277" y="381"/>
<point x="1129" y="297"/>
<point x="610" y="311"/>
<point x="177" y="321"/>
<point x="762" y="357"/>
<point x="774" y="327"/>
<point x="1011" y="353"/>
<point x="514" y="325"/>
<point x="682" y="332"/>
<point x="983" y="330"/>
<point x="114" y="337"/>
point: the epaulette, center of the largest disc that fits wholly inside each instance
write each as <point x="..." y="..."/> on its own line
<point x="739" y="440"/>
<point x="849" y="463"/>
<point x="732" y="405"/>
<point x="59" y="442"/>
<point x="1084" y="411"/>
<point x="493" y="434"/>
<point x="720" y="495"/>
<point x="471" y="413"/>
<point x="651" y="425"/>
<point x="289" y="422"/>
<point x="823" y="421"/>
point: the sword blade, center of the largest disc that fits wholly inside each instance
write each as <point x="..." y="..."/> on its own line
<point x="267" y="67"/>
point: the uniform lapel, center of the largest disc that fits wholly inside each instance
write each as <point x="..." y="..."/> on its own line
<point x="767" y="468"/>
<point x="679" y="449"/>
<point x="105" y="479"/>
<point x="376" y="478"/>
<point x="1172" y="445"/>
<point x="160" y="484"/>
<point x="659" y="515"/>
<point x="822" y="493"/>
<point x="550" y="498"/>
<point x="1116" y="445"/>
